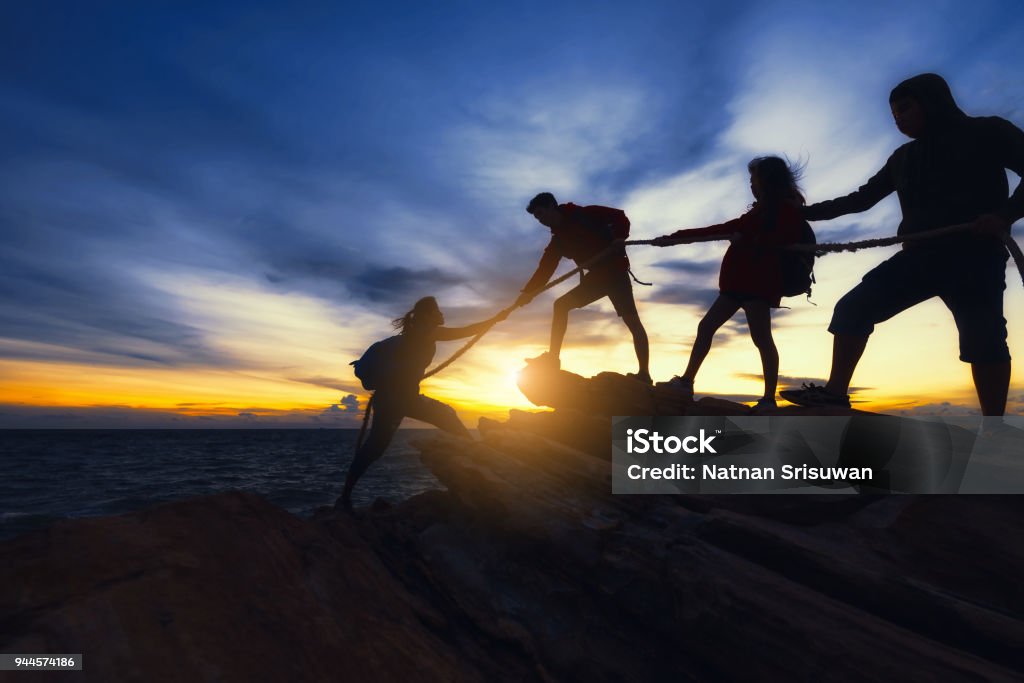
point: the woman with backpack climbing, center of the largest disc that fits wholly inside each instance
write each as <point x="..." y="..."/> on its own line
<point x="752" y="274"/>
<point x="394" y="368"/>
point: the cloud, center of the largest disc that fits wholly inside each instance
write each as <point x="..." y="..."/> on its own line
<point x="162" y="212"/>
<point x="699" y="298"/>
<point x="547" y="136"/>
<point x="702" y="269"/>
<point x="398" y="283"/>
<point x="327" y="383"/>
<point x="941" y="408"/>
<point x="345" y="413"/>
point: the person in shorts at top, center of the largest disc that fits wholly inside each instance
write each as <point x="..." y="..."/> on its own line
<point x="951" y="172"/>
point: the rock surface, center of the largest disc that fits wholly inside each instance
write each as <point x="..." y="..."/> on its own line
<point x="609" y="394"/>
<point x="526" y="568"/>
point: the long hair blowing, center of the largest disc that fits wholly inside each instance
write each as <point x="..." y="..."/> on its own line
<point x="778" y="179"/>
<point x="408" y="320"/>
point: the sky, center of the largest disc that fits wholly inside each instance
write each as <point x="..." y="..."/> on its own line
<point x="208" y="209"/>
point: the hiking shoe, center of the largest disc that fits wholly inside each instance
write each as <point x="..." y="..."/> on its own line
<point x="547" y="360"/>
<point x="815" y="396"/>
<point x="764" y="404"/>
<point x="644" y="378"/>
<point x="682" y="385"/>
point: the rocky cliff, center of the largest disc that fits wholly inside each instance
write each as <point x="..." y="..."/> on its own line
<point x="526" y="568"/>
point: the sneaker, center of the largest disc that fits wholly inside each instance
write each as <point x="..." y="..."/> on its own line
<point x="682" y="385"/>
<point x="815" y="396"/>
<point x="764" y="404"/>
<point x="547" y="360"/>
<point x="644" y="378"/>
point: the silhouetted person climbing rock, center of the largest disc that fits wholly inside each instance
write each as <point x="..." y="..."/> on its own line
<point x="581" y="233"/>
<point x="401" y="365"/>
<point x="951" y="172"/>
<point x="752" y="272"/>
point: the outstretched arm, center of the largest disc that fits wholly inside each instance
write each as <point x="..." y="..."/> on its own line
<point x="683" y="236"/>
<point x="545" y="269"/>
<point x="450" y="333"/>
<point x="867" y="195"/>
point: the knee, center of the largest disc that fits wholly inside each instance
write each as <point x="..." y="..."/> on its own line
<point x="562" y="307"/>
<point x="634" y="324"/>
<point x="706" y="328"/>
<point x="763" y="340"/>
<point x="984" y="343"/>
<point x="850" y="316"/>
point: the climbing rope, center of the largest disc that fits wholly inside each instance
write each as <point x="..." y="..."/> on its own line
<point x="366" y="421"/>
<point x="822" y="248"/>
<point x="835" y="247"/>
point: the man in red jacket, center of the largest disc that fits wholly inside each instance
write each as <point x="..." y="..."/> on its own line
<point x="581" y="233"/>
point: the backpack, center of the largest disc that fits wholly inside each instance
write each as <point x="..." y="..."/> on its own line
<point x="798" y="266"/>
<point x="609" y="230"/>
<point x="378" y="362"/>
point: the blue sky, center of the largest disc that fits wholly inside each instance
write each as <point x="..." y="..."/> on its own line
<point x="257" y="188"/>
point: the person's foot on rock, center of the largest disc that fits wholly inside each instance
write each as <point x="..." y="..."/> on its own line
<point x="764" y="404"/>
<point x="682" y="385"/>
<point x="644" y="377"/>
<point x="546" y="360"/>
<point x="343" y="504"/>
<point x="815" y="396"/>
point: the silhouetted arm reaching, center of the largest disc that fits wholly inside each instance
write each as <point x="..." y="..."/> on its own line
<point x="681" y="236"/>
<point x="450" y="333"/>
<point x="867" y="195"/>
<point x="545" y="269"/>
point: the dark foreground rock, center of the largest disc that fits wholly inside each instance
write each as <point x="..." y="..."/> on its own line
<point x="526" y="568"/>
<point x="225" y="588"/>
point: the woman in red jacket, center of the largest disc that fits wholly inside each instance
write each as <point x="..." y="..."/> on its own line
<point x="751" y="275"/>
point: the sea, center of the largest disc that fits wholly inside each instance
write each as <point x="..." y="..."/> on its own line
<point x="47" y="475"/>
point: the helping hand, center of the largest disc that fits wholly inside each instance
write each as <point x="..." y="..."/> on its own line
<point x="524" y="298"/>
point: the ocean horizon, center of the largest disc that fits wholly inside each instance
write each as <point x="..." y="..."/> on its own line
<point x="52" y="474"/>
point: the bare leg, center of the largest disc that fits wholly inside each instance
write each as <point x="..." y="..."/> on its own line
<point x="640" y="343"/>
<point x="992" y="382"/>
<point x="721" y="310"/>
<point x="559" y="324"/>
<point x="381" y="433"/>
<point x="846" y="352"/>
<point x="759" y="321"/>
<point x="439" y="414"/>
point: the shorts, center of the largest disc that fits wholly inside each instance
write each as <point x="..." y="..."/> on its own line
<point x="969" y="278"/>
<point x="597" y="284"/>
